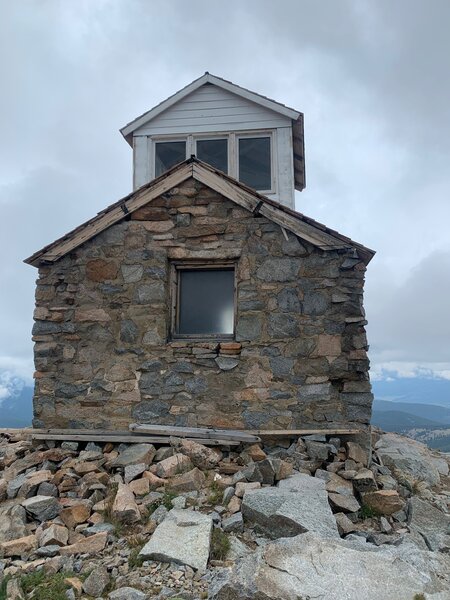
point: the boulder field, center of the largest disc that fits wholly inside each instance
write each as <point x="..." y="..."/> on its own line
<point x="311" y="517"/>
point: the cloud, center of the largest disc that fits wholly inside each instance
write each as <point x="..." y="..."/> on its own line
<point x="14" y="375"/>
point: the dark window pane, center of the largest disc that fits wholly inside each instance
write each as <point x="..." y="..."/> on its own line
<point x="254" y="162"/>
<point x="214" y="152"/>
<point x="206" y="301"/>
<point x="167" y="155"/>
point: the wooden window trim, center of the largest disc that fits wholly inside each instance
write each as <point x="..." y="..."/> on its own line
<point x="175" y="268"/>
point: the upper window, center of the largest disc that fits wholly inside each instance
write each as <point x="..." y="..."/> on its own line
<point x="214" y="152"/>
<point x="255" y="162"/>
<point x="247" y="158"/>
<point x="204" y="303"/>
<point x="167" y="155"/>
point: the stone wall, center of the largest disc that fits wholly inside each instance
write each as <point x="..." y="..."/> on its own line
<point x="104" y="359"/>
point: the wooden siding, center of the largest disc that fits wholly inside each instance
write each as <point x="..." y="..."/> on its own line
<point x="212" y="109"/>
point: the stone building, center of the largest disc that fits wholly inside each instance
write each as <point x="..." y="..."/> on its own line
<point x="203" y="298"/>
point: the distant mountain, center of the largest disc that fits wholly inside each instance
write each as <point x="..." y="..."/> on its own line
<point x="16" y="410"/>
<point x="431" y="412"/>
<point x="396" y="420"/>
<point x="420" y="390"/>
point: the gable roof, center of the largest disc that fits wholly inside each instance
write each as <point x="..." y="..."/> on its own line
<point x="295" y="116"/>
<point x="305" y="228"/>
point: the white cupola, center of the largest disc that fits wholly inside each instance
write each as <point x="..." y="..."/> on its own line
<point x="251" y="138"/>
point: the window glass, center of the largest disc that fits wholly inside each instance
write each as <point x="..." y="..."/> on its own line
<point x="214" y="152"/>
<point x="206" y="301"/>
<point x="254" y="162"/>
<point x="167" y="155"/>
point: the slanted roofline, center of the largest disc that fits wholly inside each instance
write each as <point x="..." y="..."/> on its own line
<point x="127" y="130"/>
<point x="304" y="227"/>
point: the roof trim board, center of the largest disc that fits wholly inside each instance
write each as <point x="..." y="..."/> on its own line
<point x="277" y="107"/>
<point x="305" y="228"/>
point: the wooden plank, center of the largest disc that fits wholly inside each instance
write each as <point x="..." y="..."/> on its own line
<point x="249" y="201"/>
<point x="299" y="432"/>
<point x="199" y="432"/>
<point x="127" y="439"/>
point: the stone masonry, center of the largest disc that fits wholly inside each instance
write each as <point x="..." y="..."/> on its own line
<point x="103" y="353"/>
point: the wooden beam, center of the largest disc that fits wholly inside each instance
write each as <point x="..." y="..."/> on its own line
<point x="116" y="214"/>
<point x="249" y="201"/>
<point x="203" y="433"/>
<point x="300" y="432"/>
<point x="127" y="438"/>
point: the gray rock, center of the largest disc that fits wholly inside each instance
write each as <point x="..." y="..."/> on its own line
<point x="382" y="538"/>
<point x="12" y="523"/>
<point x="308" y="566"/>
<point x="70" y="446"/>
<point x="315" y="303"/>
<point x="135" y="454"/>
<point x="288" y="300"/>
<point x="183" y="538"/>
<point x="226" y="363"/>
<point x="96" y="582"/>
<point x="129" y="331"/>
<point x="233" y="523"/>
<point x="237" y="548"/>
<point x="98" y="528"/>
<point x="249" y="327"/>
<point x="42" y="508"/>
<point x="364" y="481"/>
<point x="385" y="526"/>
<point x="282" y="325"/>
<point x="345" y="526"/>
<point x="159" y="514"/>
<point x="228" y="494"/>
<point x="432" y="524"/>
<point x="48" y="551"/>
<point x="163" y="453"/>
<point x="281" y="366"/>
<point x="297" y="505"/>
<point x="14" y="485"/>
<point x="267" y="468"/>
<point x="127" y="593"/>
<point x="179" y="502"/>
<point x="409" y="456"/>
<point x="133" y="471"/>
<point x="47" y="489"/>
<point x="132" y="273"/>
<point x="317" y="450"/>
<point x="344" y="503"/>
<point x="278" y="269"/>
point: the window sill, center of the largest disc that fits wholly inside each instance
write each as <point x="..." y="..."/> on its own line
<point x="204" y="339"/>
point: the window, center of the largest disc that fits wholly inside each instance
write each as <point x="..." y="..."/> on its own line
<point x="246" y="156"/>
<point x="254" y="162"/>
<point x="167" y="155"/>
<point x="214" y="152"/>
<point x="204" y="301"/>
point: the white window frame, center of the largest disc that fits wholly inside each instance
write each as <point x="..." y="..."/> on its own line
<point x="203" y="137"/>
<point x="152" y="149"/>
<point x="259" y="134"/>
<point x="233" y="138"/>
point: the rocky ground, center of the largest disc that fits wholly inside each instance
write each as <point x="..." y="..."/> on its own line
<point x="281" y="521"/>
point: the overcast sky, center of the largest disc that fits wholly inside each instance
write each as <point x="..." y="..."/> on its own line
<point x="372" y="78"/>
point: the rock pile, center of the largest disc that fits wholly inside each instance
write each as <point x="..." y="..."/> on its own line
<point x="319" y="515"/>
